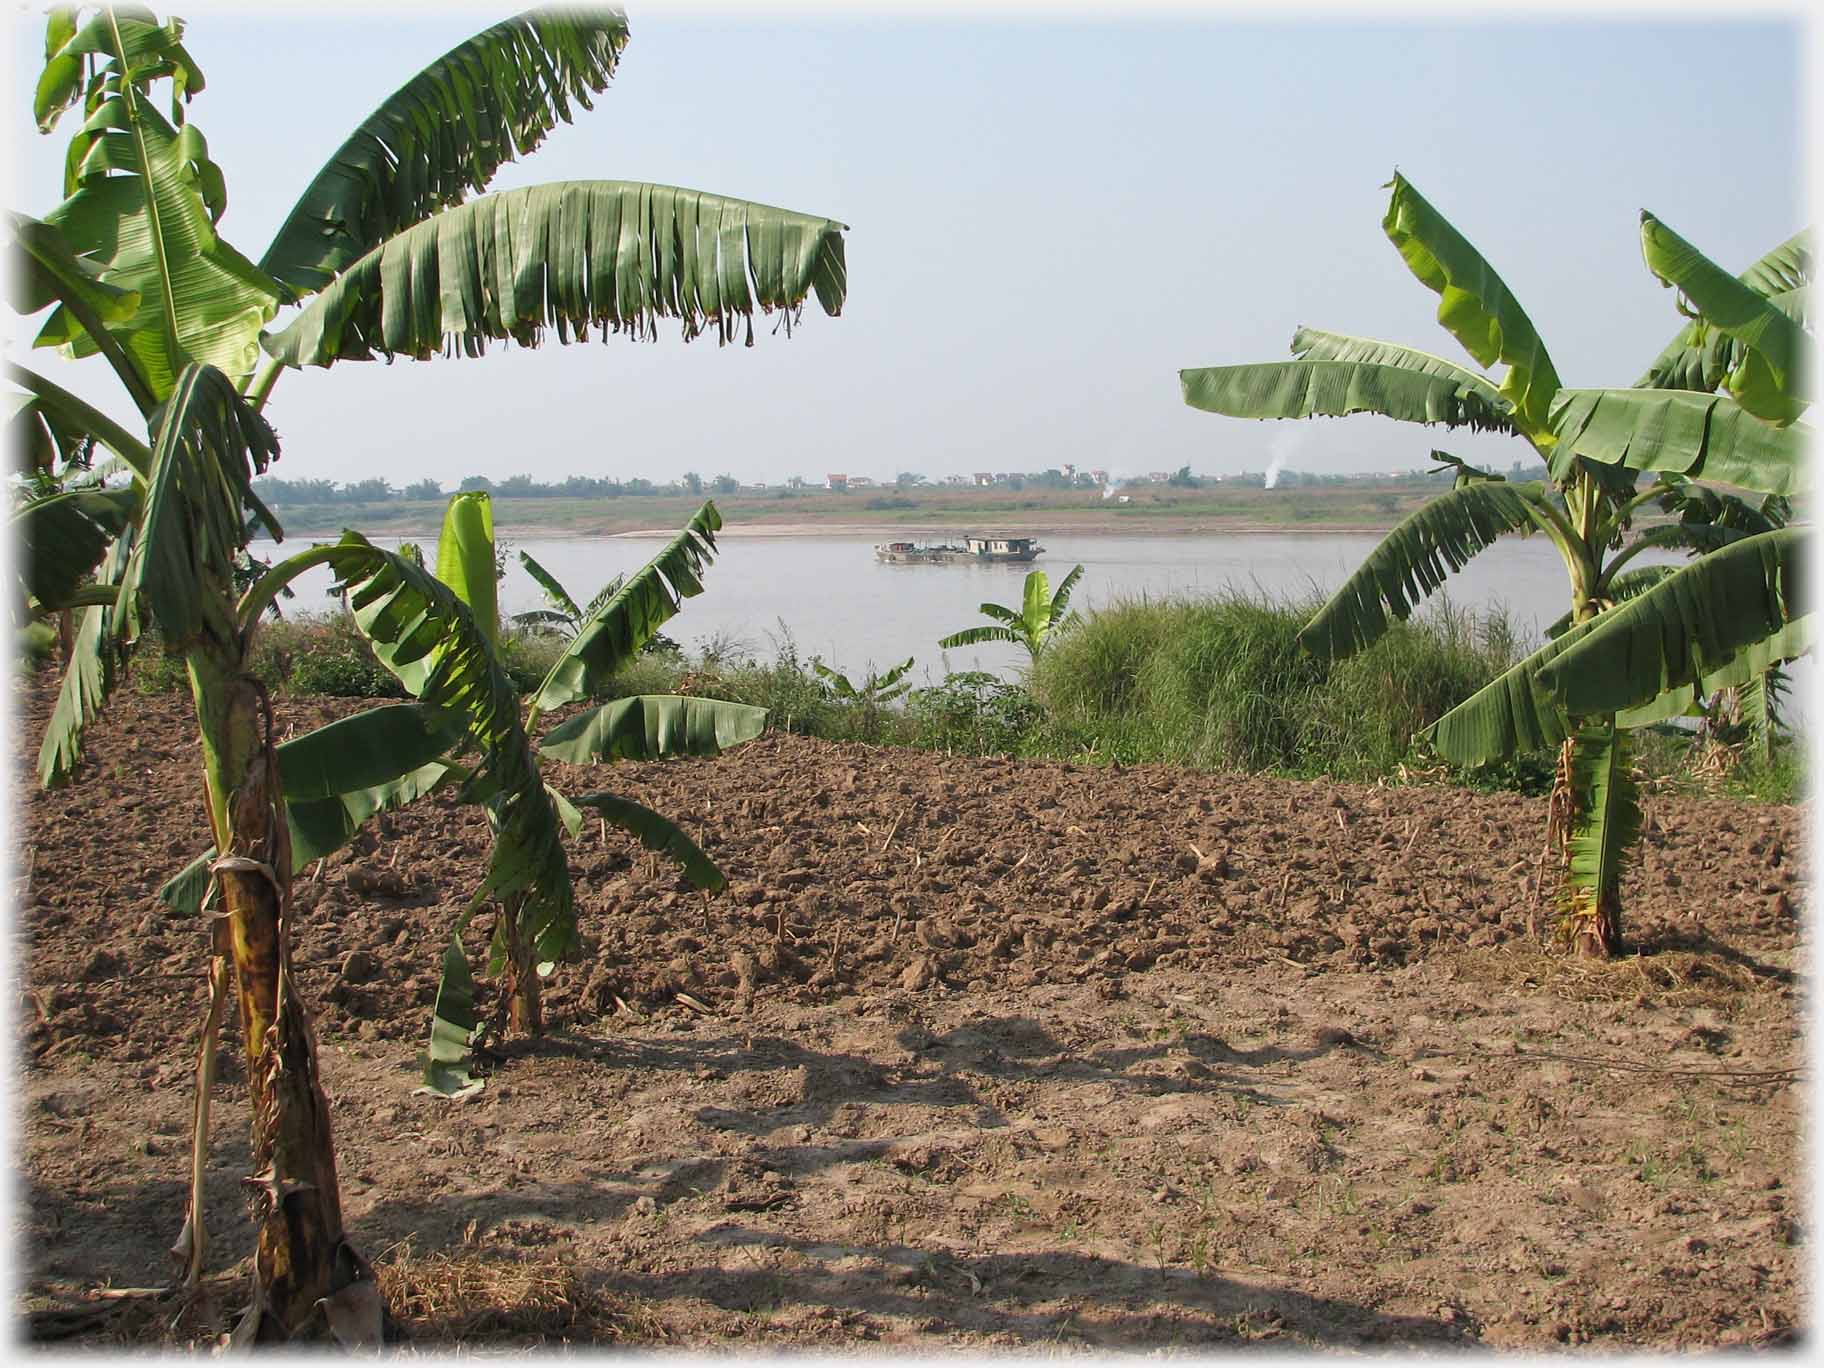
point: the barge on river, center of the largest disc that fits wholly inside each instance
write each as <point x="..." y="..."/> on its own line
<point x="987" y="548"/>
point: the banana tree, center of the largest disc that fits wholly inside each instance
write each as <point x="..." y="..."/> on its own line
<point x="877" y="688"/>
<point x="1041" y="615"/>
<point x="171" y="562"/>
<point x="399" y="260"/>
<point x="529" y="938"/>
<point x="565" y="617"/>
<point x="1594" y="443"/>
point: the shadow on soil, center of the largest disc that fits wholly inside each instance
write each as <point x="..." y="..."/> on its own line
<point x="1108" y="1303"/>
<point x="983" y="1294"/>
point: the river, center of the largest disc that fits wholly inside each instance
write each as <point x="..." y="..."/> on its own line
<point x="836" y="601"/>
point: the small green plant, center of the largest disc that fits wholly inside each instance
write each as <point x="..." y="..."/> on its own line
<point x="1041" y="616"/>
<point x="1199" y="1253"/>
<point x="876" y="691"/>
<point x="564" y="618"/>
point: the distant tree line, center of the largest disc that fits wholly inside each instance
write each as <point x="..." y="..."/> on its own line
<point x="279" y="492"/>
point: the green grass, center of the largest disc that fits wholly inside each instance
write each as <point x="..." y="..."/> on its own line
<point x="1221" y="683"/>
<point x="1216" y="683"/>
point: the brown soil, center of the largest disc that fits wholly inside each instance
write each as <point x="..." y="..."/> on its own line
<point x="989" y="1054"/>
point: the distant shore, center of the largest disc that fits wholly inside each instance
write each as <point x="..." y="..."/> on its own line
<point x="912" y="515"/>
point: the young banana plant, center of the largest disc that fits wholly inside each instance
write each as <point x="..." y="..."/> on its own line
<point x="1620" y="661"/>
<point x="526" y="945"/>
<point x="1042" y="614"/>
<point x="386" y="757"/>
<point x="876" y="689"/>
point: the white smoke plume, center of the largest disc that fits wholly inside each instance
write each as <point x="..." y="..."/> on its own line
<point x="1284" y="443"/>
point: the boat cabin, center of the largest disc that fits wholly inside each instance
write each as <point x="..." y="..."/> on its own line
<point x="1004" y="548"/>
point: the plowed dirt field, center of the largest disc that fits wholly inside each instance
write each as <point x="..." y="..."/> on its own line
<point x="983" y="1054"/>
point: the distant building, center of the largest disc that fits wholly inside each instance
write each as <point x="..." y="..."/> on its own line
<point x="1098" y="477"/>
<point x="956" y="479"/>
<point x="860" y="482"/>
<point x="983" y="478"/>
<point x="836" y="482"/>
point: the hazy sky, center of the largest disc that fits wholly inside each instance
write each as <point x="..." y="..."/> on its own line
<point x="1051" y="213"/>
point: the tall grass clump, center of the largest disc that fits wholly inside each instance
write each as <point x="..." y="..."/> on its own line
<point x="1221" y="683"/>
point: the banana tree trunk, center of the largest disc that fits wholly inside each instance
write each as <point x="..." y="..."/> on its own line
<point x="302" y="1257"/>
<point x="1604" y="827"/>
<point x="525" y="1004"/>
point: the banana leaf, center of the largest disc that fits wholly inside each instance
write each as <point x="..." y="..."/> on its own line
<point x="1335" y="389"/>
<point x="979" y="636"/>
<point x="1314" y="344"/>
<point x="660" y="834"/>
<point x="156" y="52"/>
<point x="1605" y="819"/>
<point x="45" y="270"/>
<point x="1702" y="357"/>
<point x="653" y="727"/>
<point x="444" y="134"/>
<point x="1060" y="601"/>
<point x="616" y="631"/>
<point x="465" y="562"/>
<point x="446" y="1061"/>
<point x="365" y="749"/>
<point x="1628" y="584"/>
<point x="65" y="411"/>
<point x="1035" y="610"/>
<point x="1413" y="560"/>
<point x="144" y="208"/>
<point x="208" y="443"/>
<point x="1768" y="379"/>
<point x="1686" y="433"/>
<point x="338" y="776"/>
<point x="1686" y="627"/>
<point x="563" y="607"/>
<point x="63" y="538"/>
<point x="614" y="256"/>
<point x="1475" y="305"/>
<point x="407" y="614"/>
<point x="93" y="670"/>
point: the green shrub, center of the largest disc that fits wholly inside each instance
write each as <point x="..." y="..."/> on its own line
<point x="326" y="655"/>
<point x="527" y="657"/>
<point x="1221" y="683"/>
<point x="973" y="713"/>
<point x="154" y="670"/>
<point x="798" y="701"/>
<point x="34" y="646"/>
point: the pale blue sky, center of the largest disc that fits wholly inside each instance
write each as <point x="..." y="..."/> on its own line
<point x="1050" y="216"/>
